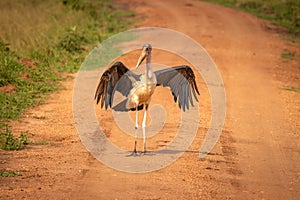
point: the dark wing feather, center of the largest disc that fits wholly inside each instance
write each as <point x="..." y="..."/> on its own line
<point x="108" y="81"/>
<point x="125" y="83"/>
<point x="181" y="80"/>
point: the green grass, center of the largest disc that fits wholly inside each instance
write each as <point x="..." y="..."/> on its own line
<point x="292" y="89"/>
<point x="40" y="143"/>
<point x="286" y="54"/>
<point x="41" y="41"/>
<point x="285" y="13"/>
<point x="9" y="174"/>
<point x="8" y="141"/>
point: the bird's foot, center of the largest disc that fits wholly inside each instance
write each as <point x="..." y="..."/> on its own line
<point x="134" y="153"/>
<point x="147" y="153"/>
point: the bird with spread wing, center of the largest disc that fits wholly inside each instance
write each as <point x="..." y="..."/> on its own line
<point x="138" y="88"/>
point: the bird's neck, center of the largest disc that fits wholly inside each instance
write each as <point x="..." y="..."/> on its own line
<point x="148" y="68"/>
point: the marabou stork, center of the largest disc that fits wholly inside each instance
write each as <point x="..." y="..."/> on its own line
<point x="138" y="88"/>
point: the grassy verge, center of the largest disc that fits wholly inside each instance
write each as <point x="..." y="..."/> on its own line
<point x="285" y="13"/>
<point x="41" y="41"/>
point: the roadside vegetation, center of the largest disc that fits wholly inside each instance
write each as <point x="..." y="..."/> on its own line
<point x="40" y="42"/>
<point x="285" y="13"/>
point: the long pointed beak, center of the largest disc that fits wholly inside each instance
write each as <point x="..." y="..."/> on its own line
<point x="141" y="58"/>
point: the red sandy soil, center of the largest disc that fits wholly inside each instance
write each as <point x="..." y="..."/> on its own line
<point x="256" y="157"/>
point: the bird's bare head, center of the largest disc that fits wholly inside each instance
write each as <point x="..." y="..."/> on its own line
<point x="147" y="47"/>
<point x="146" y="51"/>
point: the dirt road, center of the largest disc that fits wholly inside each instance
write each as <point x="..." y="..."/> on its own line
<point x="257" y="156"/>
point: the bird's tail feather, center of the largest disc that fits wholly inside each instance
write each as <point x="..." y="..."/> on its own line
<point x="123" y="107"/>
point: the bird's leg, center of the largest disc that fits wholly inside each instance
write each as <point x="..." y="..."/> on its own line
<point x="134" y="153"/>
<point x="136" y="129"/>
<point x="144" y="128"/>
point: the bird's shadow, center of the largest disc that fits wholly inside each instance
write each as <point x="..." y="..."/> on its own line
<point x="165" y="152"/>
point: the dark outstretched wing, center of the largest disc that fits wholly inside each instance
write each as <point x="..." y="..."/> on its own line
<point x="108" y="81"/>
<point x="181" y="80"/>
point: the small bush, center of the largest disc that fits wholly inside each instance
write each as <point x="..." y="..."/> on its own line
<point x="10" y="142"/>
<point x="251" y="5"/>
<point x="72" y="41"/>
<point x="74" y="4"/>
<point x="3" y="47"/>
<point x="10" y="69"/>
